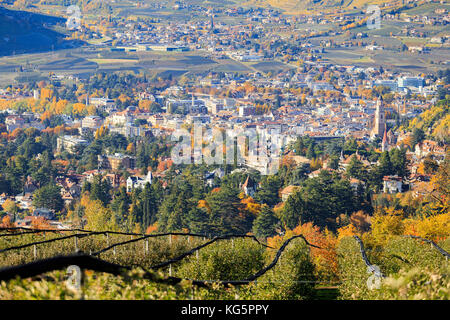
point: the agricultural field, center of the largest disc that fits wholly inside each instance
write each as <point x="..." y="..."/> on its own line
<point x="79" y="63"/>
<point x="402" y="61"/>
<point x="183" y="266"/>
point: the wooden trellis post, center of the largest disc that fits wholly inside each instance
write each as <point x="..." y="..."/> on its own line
<point x="35" y="252"/>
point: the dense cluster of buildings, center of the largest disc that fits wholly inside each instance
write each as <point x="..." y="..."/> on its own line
<point x="343" y="113"/>
<point x="317" y="99"/>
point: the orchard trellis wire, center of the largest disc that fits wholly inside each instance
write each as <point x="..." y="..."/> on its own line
<point x="93" y="262"/>
<point x="433" y="245"/>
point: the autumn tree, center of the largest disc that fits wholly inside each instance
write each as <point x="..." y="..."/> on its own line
<point x="11" y="207"/>
<point x="97" y="216"/>
<point x="6" y="222"/>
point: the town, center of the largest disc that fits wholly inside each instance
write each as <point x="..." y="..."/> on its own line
<point x="225" y="150"/>
<point x="330" y="104"/>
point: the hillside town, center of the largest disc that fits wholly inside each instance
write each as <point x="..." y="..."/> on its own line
<point x="325" y="102"/>
<point x="225" y="150"/>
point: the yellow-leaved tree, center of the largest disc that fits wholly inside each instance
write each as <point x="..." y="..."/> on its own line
<point x="385" y="227"/>
<point x="10" y="206"/>
<point x="436" y="227"/>
<point x="97" y="216"/>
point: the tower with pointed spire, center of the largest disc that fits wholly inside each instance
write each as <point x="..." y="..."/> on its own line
<point x="249" y="187"/>
<point x="380" y="121"/>
<point x="385" y="143"/>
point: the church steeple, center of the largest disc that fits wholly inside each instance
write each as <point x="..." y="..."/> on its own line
<point x="384" y="143"/>
<point x="379" y="123"/>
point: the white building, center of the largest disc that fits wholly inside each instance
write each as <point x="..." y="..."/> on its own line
<point x="392" y="184"/>
<point x="247" y="110"/>
<point x="119" y="119"/>
<point x="127" y="130"/>
<point x="138" y="182"/>
<point x="92" y="122"/>
<point x="69" y="143"/>
<point x="102" y="102"/>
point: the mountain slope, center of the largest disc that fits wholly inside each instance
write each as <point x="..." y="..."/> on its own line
<point x="26" y="32"/>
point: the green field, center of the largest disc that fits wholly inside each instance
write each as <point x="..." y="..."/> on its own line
<point x="202" y="268"/>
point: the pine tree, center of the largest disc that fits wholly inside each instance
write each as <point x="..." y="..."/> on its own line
<point x="199" y="221"/>
<point x="48" y="197"/>
<point x="399" y="162"/>
<point x="264" y="225"/>
<point x="291" y="214"/>
<point x="100" y="189"/>
<point x="385" y="165"/>
<point x="120" y="206"/>
<point x="355" y="168"/>
<point x="225" y="205"/>
<point x="149" y="207"/>
<point x="268" y="193"/>
<point x="310" y="153"/>
<point x="333" y="162"/>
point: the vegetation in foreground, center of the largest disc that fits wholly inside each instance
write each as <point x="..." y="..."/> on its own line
<point x="412" y="268"/>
